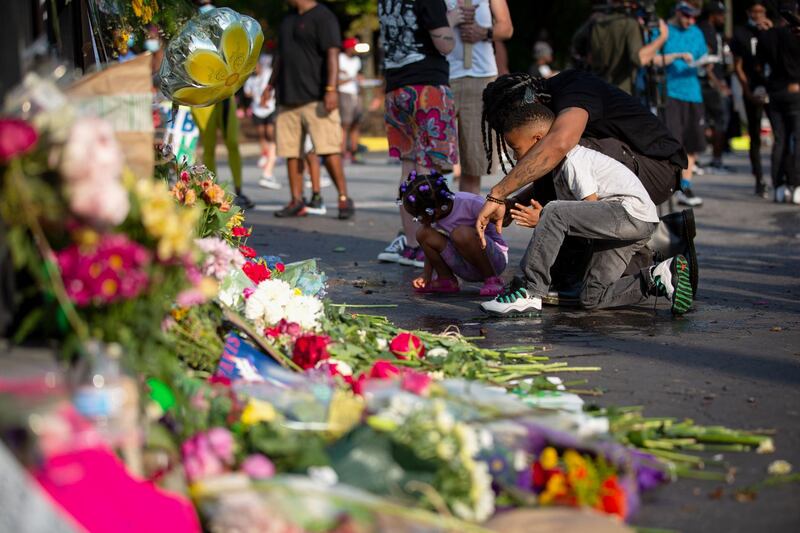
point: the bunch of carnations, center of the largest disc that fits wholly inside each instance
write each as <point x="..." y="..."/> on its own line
<point x="274" y="300"/>
<point x="113" y="269"/>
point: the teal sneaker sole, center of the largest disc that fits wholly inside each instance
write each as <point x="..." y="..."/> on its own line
<point x="682" y="298"/>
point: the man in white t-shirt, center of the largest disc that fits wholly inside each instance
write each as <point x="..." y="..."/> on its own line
<point x="349" y="102"/>
<point x="477" y="26"/>
<point x="598" y="198"/>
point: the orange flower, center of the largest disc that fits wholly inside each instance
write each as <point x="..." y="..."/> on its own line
<point x="225" y="207"/>
<point x="215" y="194"/>
<point x="190" y="197"/>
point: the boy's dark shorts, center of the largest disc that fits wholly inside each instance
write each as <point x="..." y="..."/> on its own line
<point x="716" y="104"/>
<point x="686" y="122"/>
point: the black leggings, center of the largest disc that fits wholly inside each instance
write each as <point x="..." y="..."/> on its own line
<point x="754" y="112"/>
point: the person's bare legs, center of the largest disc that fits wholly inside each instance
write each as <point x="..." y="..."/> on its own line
<point x="433" y="244"/>
<point x="333" y="163"/>
<point x="688" y="172"/>
<point x="466" y="241"/>
<point x="312" y="160"/>
<point x="269" y="133"/>
<point x="469" y="183"/>
<point x="294" y="168"/>
<point x="262" y="139"/>
<point x="409" y="226"/>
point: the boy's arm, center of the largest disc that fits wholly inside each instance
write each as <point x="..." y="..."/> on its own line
<point x="591" y="198"/>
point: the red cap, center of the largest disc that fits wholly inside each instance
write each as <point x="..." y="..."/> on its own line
<point x="350" y="42"/>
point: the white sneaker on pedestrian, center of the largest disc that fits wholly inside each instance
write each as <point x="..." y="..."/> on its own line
<point x="796" y="195"/>
<point x="262" y="161"/>
<point x="269" y="182"/>
<point x="688" y="198"/>
<point x="782" y="194"/>
<point x="514" y="301"/>
<point x="698" y="170"/>
<point x="391" y="254"/>
<point x="324" y="181"/>
<point x="672" y="279"/>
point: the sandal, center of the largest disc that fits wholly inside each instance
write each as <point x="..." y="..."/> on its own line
<point x="439" y="286"/>
<point x="492" y="286"/>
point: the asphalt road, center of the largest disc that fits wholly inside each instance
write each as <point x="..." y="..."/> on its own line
<point x="734" y="360"/>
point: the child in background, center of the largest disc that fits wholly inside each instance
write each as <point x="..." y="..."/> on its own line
<point x="448" y="237"/>
<point x="262" y="107"/>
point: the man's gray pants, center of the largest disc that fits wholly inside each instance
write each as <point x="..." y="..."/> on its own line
<point x="616" y="235"/>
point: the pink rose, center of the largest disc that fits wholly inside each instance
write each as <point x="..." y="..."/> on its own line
<point x="221" y="442"/>
<point x="258" y="466"/>
<point x="416" y="382"/>
<point x="16" y="137"/>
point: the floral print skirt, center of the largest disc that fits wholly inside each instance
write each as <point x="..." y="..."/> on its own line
<point x="421" y="126"/>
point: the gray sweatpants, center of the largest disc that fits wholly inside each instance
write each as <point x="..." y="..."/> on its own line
<point x="616" y="235"/>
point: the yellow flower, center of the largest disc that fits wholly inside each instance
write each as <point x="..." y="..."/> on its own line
<point x="574" y="460"/>
<point x="172" y="225"/>
<point x="190" y="198"/>
<point x="144" y="9"/>
<point x="548" y="459"/>
<point x="258" y="411"/>
<point x="219" y="76"/>
<point x="235" y="221"/>
<point x="556" y="486"/>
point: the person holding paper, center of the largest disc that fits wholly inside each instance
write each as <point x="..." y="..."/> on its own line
<point x="685" y="116"/>
<point x="472" y="67"/>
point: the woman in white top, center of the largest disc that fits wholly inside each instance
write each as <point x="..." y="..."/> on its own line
<point x="477" y="28"/>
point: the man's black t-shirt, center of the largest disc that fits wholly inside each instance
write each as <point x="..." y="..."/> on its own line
<point x="410" y="58"/>
<point x="744" y="44"/>
<point x="780" y="51"/>
<point x="714" y="42"/>
<point x="613" y="113"/>
<point x="303" y="42"/>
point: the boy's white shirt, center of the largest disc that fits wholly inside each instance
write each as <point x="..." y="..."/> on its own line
<point x="349" y="67"/>
<point x="254" y="87"/>
<point x="586" y="172"/>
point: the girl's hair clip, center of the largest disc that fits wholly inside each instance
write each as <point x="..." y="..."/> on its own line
<point x="412" y="198"/>
<point x="399" y="202"/>
<point x="429" y="211"/>
<point x="415" y="219"/>
<point x="444" y="207"/>
<point x="529" y="97"/>
<point x="424" y="188"/>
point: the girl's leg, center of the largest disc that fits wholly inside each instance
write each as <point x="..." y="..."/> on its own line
<point x="409" y="226"/>
<point x="433" y="244"/>
<point x="231" y="135"/>
<point x="269" y="168"/>
<point x="262" y="139"/>
<point x="206" y="119"/>
<point x="465" y="239"/>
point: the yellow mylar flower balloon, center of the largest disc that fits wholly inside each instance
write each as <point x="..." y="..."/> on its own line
<point x="211" y="58"/>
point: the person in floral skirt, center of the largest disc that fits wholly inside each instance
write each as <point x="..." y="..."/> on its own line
<point x="420" y="110"/>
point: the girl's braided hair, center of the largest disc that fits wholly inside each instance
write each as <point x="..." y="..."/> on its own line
<point x="421" y="194"/>
<point x="509" y="102"/>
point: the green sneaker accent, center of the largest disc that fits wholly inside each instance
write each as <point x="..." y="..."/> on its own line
<point x="682" y="297"/>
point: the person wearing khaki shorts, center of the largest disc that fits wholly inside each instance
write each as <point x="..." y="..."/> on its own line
<point x="476" y="28"/>
<point x="307" y="74"/>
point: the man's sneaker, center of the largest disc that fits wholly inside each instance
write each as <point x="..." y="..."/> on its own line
<point x="671" y="278"/>
<point x="796" y="195"/>
<point x="243" y="201"/>
<point x="324" y="181"/>
<point x="316" y="206"/>
<point x="698" y="170"/>
<point x="295" y="208"/>
<point x="346" y="208"/>
<point x="781" y="194"/>
<point x="269" y="182"/>
<point x="412" y="257"/>
<point x="514" y="301"/>
<point x="391" y="254"/>
<point x="688" y="198"/>
<point x="761" y="190"/>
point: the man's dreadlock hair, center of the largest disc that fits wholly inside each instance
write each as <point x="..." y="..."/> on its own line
<point x="509" y="102"/>
<point x="421" y="194"/>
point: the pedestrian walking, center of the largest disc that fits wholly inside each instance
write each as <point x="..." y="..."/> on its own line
<point x="750" y="72"/>
<point x="262" y="110"/>
<point x="419" y="107"/>
<point x="779" y="50"/>
<point x="349" y="99"/>
<point x="306" y="76"/>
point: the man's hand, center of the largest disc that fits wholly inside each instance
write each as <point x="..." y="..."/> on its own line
<point x="461" y="15"/>
<point x="472" y="33"/>
<point x="663" y="30"/>
<point x="527" y="216"/>
<point x="331" y="101"/>
<point x="491" y="213"/>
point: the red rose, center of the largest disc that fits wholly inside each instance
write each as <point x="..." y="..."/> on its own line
<point x="383" y="370"/>
<point x="310" y="350"/>
<point x="406" y="345"/>
<point x="256" y="272"/>
<point x="358" y="384"/>
<point x="16" y="137"/>
<point x="185" y="176"/>
<point x="239" y="231"/>
<point x="247" y="251"/>
<point x="284" y="327"/>
<point x="280" y="267"/>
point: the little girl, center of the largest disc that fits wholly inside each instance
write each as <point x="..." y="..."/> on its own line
<point x="449" y="239"/>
